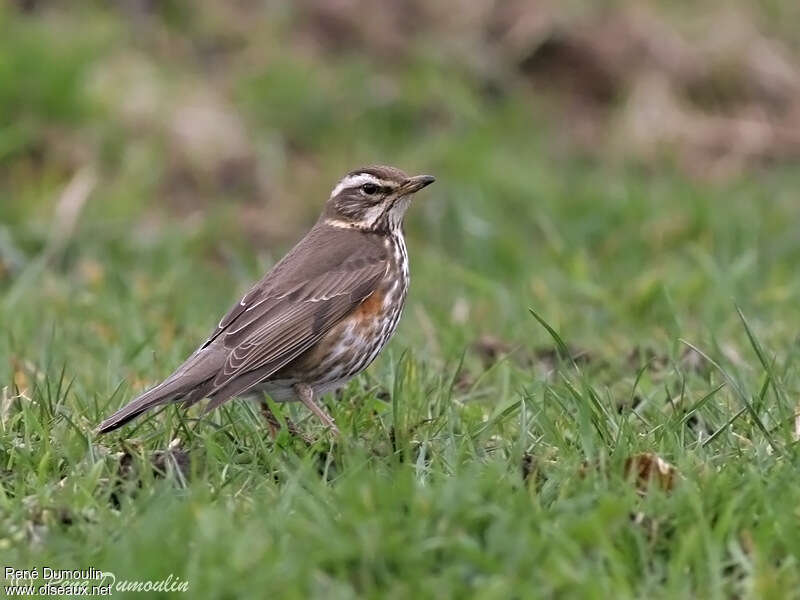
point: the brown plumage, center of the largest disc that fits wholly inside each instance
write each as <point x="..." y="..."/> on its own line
<point x="318" y="318"/>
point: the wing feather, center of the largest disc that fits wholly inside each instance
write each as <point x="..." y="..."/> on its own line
<point x="282" y="326"/>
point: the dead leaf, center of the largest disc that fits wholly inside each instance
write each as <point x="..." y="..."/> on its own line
<point x="174" y="459"/>
<point x="639" y="357"/>
<point x="648" y="469"/>
<point x="490" y="349"/>
<point x="691" y="360"/>
<point x="548" y="357"/>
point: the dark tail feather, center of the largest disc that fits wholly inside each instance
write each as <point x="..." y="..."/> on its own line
<point x="161" y="394"/>
<point x="192" y="376"/>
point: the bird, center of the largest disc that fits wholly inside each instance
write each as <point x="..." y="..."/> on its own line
<point x="317" y="319"/>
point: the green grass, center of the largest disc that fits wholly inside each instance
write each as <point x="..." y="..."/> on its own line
<point x="457" y="474"/>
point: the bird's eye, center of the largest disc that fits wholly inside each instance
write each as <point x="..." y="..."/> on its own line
<point x="369" y="189"/>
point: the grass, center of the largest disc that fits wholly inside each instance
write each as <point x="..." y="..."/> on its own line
<point x="565" y="317"/>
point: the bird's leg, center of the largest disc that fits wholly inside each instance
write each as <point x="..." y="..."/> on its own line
<point x="306" y="395"/>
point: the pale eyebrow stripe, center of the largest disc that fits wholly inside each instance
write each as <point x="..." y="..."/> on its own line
<point x="357" y="180"/>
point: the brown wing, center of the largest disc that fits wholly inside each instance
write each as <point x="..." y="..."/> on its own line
<point x="284" y="328"/>
<point x="319" y="283"/>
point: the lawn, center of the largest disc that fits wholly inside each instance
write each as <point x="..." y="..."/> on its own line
<point x="592" y="392"/>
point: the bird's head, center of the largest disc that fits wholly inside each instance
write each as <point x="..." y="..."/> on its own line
<point x="373" y="199"/>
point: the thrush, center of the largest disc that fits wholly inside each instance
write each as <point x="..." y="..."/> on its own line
<point x="318" y="318"/>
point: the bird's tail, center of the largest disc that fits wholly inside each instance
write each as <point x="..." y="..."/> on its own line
<point x="189" y="381"/>
<point x="161" y="394"/>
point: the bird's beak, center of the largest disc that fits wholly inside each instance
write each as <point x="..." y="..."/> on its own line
<point x="415" y="184"/>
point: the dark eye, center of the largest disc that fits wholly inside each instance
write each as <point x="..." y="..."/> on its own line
<point x="369" y="189"/>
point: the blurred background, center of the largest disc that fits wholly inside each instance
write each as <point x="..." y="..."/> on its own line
<point x="628" y="168"/>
